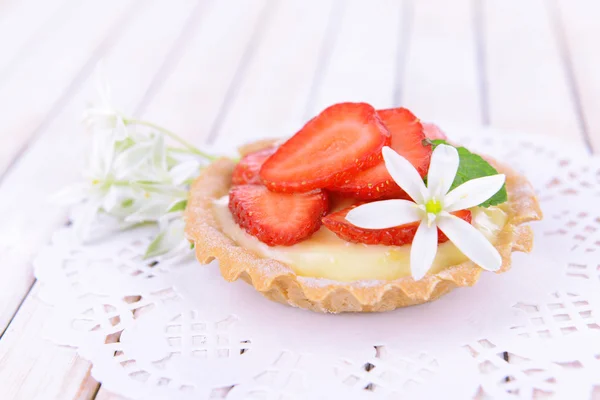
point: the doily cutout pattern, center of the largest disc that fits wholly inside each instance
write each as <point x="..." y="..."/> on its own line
<point x="169" y="328"/>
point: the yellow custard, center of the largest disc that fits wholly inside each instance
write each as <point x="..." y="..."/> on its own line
<point x="324" y="255"/>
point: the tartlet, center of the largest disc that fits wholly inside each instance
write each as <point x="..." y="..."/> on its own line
<point x="277" y="281"/>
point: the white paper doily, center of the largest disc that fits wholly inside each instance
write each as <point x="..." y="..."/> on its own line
<point x="173" y="329"/>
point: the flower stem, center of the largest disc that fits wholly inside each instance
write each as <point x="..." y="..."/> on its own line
<point x="193" y="149"/>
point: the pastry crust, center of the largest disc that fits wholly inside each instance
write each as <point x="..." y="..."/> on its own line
<point x="277" y="281"/>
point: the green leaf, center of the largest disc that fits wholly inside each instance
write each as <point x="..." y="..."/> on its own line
<point x="167" y="239"/>
<point x="436" y="142"/>
<point x="179" y="206"/>
<point x="473" y="166"/>
<point x="156" y="247"/>
<point x="124" y="144"/>
<point x="127" y="203"/>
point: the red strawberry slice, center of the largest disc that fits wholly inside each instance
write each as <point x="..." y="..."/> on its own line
<point x="277" y="218"/>
<point x="374" y="183"/>
<point x="397" y="236"/>
<point x="433" y="132"/>
<point x="333" y="146"/>
<point x="246" y="171"/>
<point x="407" y="140"/>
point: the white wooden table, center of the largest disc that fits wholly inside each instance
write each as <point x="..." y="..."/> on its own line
<point x="225" y="71"/>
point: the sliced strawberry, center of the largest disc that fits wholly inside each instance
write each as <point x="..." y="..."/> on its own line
<point x="374" y="183"/>
<point x="407" y="137"/>
<point x="407" y="140"/>
<point x="397" y="236"/>
<point x="277" y="218"/>
<point x="333" y="146"/>
<point x="246" y="171"/>
<point x="433" y="132"/>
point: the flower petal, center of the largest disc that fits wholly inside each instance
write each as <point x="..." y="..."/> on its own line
<point x="149" y="212"/>
<point x="423" y="250"/>
<point x="160" y="188"/>
<point x="71" y="194"/>
<point x="128" y="163"/>
<point x="168" y="239"/>
<point x="177" y="205"/>
<point x="404" y="174"/>
<point x="159" y="152"/>
<point x="184" y="171"/>
<point x="384" y="214"/>
<point x="82" y="224"/>
<point x="470" y="242"/>
<point x="111" y="199"/>
<point x="102" y="154"/>
<point x="473" y="192"/>
<point x="442" y="170"/>
<point x="120" y="130"/>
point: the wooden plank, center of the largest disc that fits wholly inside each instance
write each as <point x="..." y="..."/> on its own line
<point x="28" y="95"/>
<point x="61" y="147"/>
<point x="576" y="25"/>
<point x="441" y="80"/>
<point x="63" y="142"/>
<point x="271" y="100"/>
<point x="17" y="280"/>
<point x="8" y="8"/>
<point x="32" y="368"/>
<point x="5" y="6"/>
<point x="24" y="24"/>
<point x="190" y="99"/>
<point x="362" y="64"/>
<point x="527" y="85"/>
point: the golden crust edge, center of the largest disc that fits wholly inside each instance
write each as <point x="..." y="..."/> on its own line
<point x="278" y="282"/>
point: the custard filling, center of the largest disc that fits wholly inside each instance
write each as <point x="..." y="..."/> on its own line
<point x="324" y="255"/>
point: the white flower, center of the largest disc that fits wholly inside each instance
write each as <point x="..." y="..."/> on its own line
<point x="432" y="206"/>
<point x="170" y="240"/>
<point x="133" y="176"/>
<point x="103" y="114"/>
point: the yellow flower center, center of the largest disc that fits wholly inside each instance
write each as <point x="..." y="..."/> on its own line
<point x="433" y="206"/>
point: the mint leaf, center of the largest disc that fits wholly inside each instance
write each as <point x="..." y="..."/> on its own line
<point x="473" y="166"/>
<point x="436" y="142"/>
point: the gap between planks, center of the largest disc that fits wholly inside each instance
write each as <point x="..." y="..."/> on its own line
<point x="171" y="59"/>
<point x="404" y="33"/>
<point x="567" y="62"/>
<point x="239" y="75"/>
<point x="479" y="35"/>
<point x="13" y="61"/>
<point x="333" y="24"/>
<point x="114" y="32"/>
